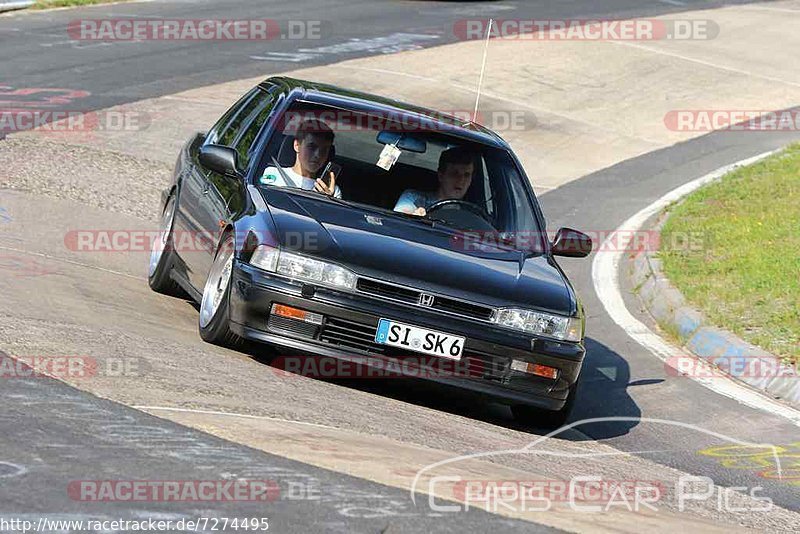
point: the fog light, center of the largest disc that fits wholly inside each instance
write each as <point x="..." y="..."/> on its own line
<point x="534" y="369"/>
<point x="296" y="313"/>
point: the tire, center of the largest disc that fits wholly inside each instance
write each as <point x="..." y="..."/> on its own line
<point x="548" y="419"/>
<point x="162" y="254"/>
<point x="214" y="320"/>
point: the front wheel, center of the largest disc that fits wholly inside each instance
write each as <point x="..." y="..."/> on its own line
<point x="549" y="419"/>
<point x="214" y="308"/>
<point x="162" y="254"/>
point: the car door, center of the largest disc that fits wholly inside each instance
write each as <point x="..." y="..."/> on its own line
<point x="224" y="197"/>
<point x="187" y="227"/>
<point x="191" y="241"/>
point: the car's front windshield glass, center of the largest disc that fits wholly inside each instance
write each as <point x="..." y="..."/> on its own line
<point x="408" y="168"/>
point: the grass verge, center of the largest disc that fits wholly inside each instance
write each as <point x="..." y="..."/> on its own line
<point x="743" y="271"/>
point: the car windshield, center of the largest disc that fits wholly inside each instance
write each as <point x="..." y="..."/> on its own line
<point x="413" y="170"/>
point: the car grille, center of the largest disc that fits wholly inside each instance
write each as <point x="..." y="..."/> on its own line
<point x="291" y="326"/>
<point x="411" y="296"/>
<point x="387" y="290"/>
<point x="351" y="335"/>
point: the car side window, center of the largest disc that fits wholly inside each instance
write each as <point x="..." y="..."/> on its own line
<point x="522" y="211"/>
<point x="232" y="130"/>
<point x="510" y="197"/>
<point x="255" y="120"/>
<point x="488" y="193"/>
<point x="223" y="125"/>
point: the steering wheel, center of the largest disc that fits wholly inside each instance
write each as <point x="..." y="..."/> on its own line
<point x="462" y="205"/>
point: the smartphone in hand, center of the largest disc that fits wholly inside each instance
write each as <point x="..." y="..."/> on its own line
<point x="331" y="167"/>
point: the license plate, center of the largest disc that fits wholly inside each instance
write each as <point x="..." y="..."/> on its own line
<point x="414" y="338"/>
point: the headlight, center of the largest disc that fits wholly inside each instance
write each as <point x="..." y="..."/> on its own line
<point x="265" y="257"/>
<point x="538" y="323"/>
<point x="302" y="268"/>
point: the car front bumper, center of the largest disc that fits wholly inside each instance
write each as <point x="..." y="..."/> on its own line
<point x="348" y="329"/>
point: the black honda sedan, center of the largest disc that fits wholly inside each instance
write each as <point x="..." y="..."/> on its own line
<point x="344" y="225"/>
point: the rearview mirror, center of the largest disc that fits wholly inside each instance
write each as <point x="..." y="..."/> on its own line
<point x="403" y="142"/>
<point x="571" y="243"/>
<point x="220" y="159"/>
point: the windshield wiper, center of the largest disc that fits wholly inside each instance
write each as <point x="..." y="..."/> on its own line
<point x="442" y="221"/>
<point x="411" y="217"/>
<point x="339" y="201"/>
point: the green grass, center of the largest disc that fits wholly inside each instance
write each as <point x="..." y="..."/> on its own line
<point x="744" y="272"/>
<point x="47" y="4"/>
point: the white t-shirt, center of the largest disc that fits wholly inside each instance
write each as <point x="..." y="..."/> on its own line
<point x="272" y="176"/>
<point x="411" y="199"/>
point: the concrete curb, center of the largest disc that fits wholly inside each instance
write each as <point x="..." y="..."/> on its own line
<point x="725" y="352"/>
<point x="11" y="6"/>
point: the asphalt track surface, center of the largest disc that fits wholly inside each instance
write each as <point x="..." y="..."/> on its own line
<point x="61" y="435"/>
<point x="38" y="52"/>
<point x="621" y="378"/>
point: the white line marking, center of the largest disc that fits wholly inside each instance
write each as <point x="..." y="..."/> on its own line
<point x="706" y="63"/>
<point x="673" y="2"/>
<point x="605" y="270"/>
<point x="296" y="57"/>
<point x="19" y="470"/>
<point x="71" y="262"/>
<point x="769" y="8"/>
<point x="227" y="414"/>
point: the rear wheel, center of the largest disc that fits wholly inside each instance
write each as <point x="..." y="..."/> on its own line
<point x="540" y="418"/>
<point x="162" y="254"/>
<point x="214" y="309"/>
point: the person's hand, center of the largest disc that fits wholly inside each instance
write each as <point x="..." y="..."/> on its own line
<point x="412" y="211"/>
<point x="321" y="187"/>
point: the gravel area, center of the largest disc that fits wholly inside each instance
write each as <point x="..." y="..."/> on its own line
<point x="107" y="180"/>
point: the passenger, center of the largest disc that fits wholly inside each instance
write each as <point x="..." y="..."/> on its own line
<point x="456" y="168"/>
<point x="312" y="145"/>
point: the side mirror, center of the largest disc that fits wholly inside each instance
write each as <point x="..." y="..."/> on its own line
<point x="571" y="243"/>
<point x="220" y="159"/>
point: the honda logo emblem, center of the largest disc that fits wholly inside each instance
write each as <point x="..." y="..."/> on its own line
<point x="425" y="300"/>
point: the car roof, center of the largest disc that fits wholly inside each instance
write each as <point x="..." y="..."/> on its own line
<point x="331" y="95"/>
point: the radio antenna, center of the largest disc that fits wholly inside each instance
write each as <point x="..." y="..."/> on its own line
<point x="483" y="70"/>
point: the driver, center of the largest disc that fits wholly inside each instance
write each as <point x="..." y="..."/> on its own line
<point x="456" y="167"/>
<point x="312" y="145"/>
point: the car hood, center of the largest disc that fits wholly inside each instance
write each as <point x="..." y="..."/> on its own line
<point x="414" y="254"/>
